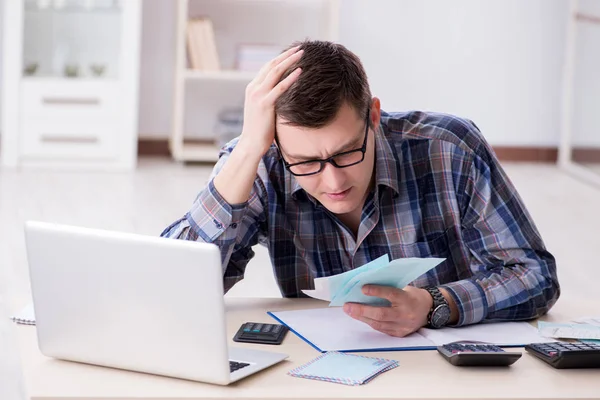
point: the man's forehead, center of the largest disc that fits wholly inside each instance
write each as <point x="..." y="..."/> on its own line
<point x="301" y="142"/>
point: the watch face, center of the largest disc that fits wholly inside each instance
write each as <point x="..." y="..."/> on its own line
<point x="440" y="316"/>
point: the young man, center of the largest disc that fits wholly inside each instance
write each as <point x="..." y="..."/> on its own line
<point x="328" y="182"/>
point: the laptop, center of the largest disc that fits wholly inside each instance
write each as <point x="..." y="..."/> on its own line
<point x="134" y="302"/>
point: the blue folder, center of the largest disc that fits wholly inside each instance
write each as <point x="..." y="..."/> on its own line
<point x="370" y="350"/>
<point x="515" y="334"/>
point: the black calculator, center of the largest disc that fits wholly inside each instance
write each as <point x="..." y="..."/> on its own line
<point x="477" y="354"/>
<point x="258" y="332"/>
<point x="567" y="355"/>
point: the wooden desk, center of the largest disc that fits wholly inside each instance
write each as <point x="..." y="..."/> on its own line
<point x="421" y="374"/>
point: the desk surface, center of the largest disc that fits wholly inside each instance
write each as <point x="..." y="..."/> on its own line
<point x="421" y="374"/>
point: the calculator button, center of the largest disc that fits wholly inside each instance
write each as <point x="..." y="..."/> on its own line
<point x="257" y="327"/>
<point x="248" y="327"/>
<point x="266" y="328"/>
<point x="277" y="328"/>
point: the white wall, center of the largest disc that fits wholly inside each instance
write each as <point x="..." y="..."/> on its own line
<point x="586" y="82"/>
<point x="498" y="62"/>
<point x="157" y="67"/>
<point x="1" y="53"/>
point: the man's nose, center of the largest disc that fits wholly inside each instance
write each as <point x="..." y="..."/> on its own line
<point x="333" y="177"/>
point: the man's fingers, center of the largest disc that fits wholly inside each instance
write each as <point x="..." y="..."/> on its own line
<point x="264" y="71"/>
<point x="382" y="314"/>
<point x="282" y="86"/>
<point x="277" y="71"/>
<point x="398" y="332"/>
<point x="394" y="295"/>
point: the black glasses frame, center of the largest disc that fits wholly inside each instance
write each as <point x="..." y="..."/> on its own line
<point x="322" y="162"/>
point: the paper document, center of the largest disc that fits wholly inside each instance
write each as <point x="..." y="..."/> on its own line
<point x="330" y="329"/>
<point x="569" y="330"/>
<point x="588" y="320"/>
<point x="347" y="287"/>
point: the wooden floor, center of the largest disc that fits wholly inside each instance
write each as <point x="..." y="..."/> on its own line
<point x="567" y="213"/>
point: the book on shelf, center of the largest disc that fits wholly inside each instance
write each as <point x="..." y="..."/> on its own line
<point x="201" y="45"/>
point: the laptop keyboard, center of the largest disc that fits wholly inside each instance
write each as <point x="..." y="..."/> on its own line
<point x="234" y="366"/>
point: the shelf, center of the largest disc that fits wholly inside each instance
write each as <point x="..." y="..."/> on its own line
<point x="69" y="81"/>
<point x="199" y="152"/>
<point x="225" y="75"/>
<point x="200" y="96"/>
<point x="73" y="6"/>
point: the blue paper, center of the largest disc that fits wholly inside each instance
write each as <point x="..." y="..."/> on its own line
<point x="590" y="341"/>
<point x="398" y="273"/>
<point x="336" y="282"/>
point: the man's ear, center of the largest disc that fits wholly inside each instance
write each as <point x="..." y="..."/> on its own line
<point x="375" y="111"/>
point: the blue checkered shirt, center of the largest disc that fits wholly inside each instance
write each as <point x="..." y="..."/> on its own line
<point x="440" y="192"/>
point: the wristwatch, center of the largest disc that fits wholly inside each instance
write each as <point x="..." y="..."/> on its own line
<point x="439" y="315"/>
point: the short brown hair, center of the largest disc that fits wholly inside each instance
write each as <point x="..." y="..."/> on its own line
<point x="331" y="75"/>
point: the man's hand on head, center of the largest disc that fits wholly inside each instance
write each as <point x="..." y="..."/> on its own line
<point x="407" y="313"/>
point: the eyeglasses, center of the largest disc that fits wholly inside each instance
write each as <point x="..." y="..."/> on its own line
<point x="339" y="160"/>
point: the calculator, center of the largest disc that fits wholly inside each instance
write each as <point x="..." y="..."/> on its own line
<point x="567" y="355"/>
<point x="261" y="333"/>
<point x="471" y="353"/>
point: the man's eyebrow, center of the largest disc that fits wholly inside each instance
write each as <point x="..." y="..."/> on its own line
<point x="348" y="146"/>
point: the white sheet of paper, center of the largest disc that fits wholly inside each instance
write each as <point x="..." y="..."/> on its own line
<point x="330" y="329"/>
<point x="569" y="330"/>
<point x="321" y="290"/>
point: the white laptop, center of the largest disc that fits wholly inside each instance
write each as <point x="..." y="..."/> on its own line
<point x="134" y="302"/>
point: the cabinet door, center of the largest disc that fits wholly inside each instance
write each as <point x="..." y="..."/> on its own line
<point x="73" y="39"/>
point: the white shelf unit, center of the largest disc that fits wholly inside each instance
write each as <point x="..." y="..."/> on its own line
<point x="199" y="96"/>
<point x="53" y="117"/>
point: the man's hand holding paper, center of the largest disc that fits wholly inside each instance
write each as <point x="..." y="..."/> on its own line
<point x="378" y="293"/>
<point x="397" y="273"/>
<point x="346" y="287"/>
<point x="407" y="312"/>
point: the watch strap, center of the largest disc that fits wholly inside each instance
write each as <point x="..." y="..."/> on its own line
<point x="438" y="299"/>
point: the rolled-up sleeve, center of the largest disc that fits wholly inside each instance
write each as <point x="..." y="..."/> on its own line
<point x="233" y="228"/>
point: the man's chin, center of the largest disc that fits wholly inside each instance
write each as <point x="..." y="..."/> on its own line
<point x="338" y="207"/>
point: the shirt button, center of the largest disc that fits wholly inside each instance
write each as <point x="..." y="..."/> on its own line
<point x="217" y="224"/>
<point x="234" y="225"/>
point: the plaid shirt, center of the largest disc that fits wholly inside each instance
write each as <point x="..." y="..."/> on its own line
<point x="440" y="192"/>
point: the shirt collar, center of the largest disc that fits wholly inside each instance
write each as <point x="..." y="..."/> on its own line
<point x="386" y="162"/>
<point x="386" y="168"/>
